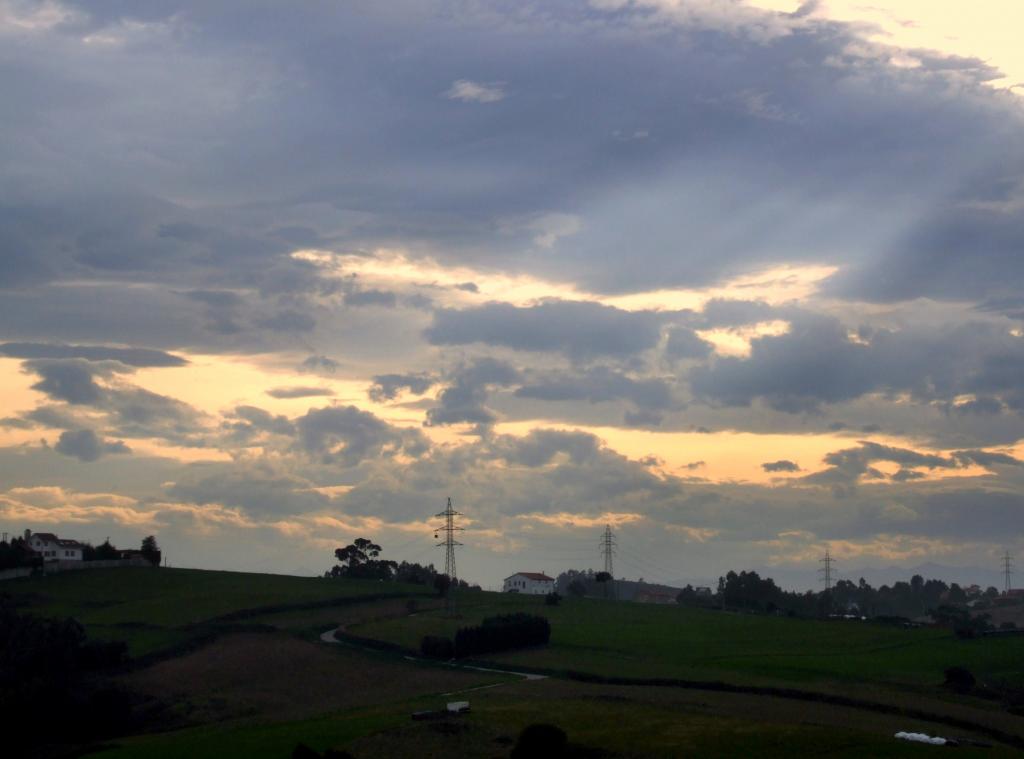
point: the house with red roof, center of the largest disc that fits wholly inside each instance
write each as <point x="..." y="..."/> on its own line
<point x="531" y="583"/>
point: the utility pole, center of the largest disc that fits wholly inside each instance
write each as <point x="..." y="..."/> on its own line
<point x="449" y="529"/>
<point x="1007" y="571"/>
<point x="826" y="571"/>
<point x="607" y="546"/>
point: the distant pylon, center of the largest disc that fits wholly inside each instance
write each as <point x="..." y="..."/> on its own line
<point x="826" y="571"/>
<point x="608" y="549"/>
<point x="1007" y="571"/>
<point x="449" y="529"/>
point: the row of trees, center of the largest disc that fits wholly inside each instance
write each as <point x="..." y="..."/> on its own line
<point x="505" y="632"/>
<point x="748" y="590"/>
<point x="360" y="560"/>
<point x="752" y="592"/>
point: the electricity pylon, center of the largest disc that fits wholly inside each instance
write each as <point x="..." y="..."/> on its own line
<point x="449" y="529"/>
<point x="826" y="571"/>
<point x="607" y="545"/>
<point x="1007" y="571"/>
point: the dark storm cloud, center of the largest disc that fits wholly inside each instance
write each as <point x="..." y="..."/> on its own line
<point x="321" y="364"/>
<point x="818" y="362"/>
<point x="371" y="298"/>
<point x="386" y="387"/>
<point x="540" y="447"/>
<point x="215" y="298"/>
<point x="246" y="425"/>
<point x="782" y="465"/>
<point x="259" y="489"/>
<point x="66" y="380"/>
<point x="463" y="399"/>
<point x="642" y="418"/>
<point x="982" y="406"/>
<point x="848" y="466"/>
<point x="958" y="253"/>
<point x="86" y="445"/>
<point x="347" y="435"/>
<point x="288" y="320"/>
<point x="723" y="312"/>
<point x="130" y="410"/>
<point x="814" y="363"/>
<point x="684" y="343"/>
<point x="576" y="328"/>
<point x="140" y="357"/>
<point x="299" y="392"/>
<point x="598" y="384"/>
<point x="259" y="132"/>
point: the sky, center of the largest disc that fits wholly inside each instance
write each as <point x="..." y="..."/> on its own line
<point x="741" y="279"/>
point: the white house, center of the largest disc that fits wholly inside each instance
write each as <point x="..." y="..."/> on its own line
<point x="52" y="548"/>
<point x="532" y="583"/>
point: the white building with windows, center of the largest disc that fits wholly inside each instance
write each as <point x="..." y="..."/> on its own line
<point x="52" y="548"/>
<point x="532" y="583"/>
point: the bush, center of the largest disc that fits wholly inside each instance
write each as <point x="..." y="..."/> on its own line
<point x="959" y="679"/>
<point x="502" y="633"/>
<point x="436" y="647"/>
<point x="552" y="599"/>
<point x="540" y="740"/>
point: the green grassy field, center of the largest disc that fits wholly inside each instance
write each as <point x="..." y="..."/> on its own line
<point x="642" y="640"/>
<point x="152" y="609"/>
<point x="258" y="692"/>
<point x="613" y="720"/>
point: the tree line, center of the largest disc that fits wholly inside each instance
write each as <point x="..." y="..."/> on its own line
<point x="749" y="591"/>
<point x="360" y="560"/>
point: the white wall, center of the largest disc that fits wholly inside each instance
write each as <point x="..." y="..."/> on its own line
<point x="520" y="584"/>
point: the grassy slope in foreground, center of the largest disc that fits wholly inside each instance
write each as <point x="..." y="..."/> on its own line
<point x="640" y="640"/>
<point x="610" y="721"/>
<point x="152" y="608"/>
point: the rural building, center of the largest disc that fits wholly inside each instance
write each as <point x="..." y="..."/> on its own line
<point x="532" y="583"/>
<point x="52" y="548"/>
<point x="654" y="597"/>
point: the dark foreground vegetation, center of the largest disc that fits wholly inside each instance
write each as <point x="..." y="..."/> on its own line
<point x="49" y="667"/>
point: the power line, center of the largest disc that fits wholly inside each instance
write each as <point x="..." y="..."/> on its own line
<point x="648" y="565"/>
<point x="449" y="529"/>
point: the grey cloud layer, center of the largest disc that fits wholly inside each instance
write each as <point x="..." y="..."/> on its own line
<point x="818" y="362"/>
<point x="154" y="188"/>
<point x="577" y="328"/>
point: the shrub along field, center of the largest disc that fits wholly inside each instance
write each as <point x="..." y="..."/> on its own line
<point x="239" y="670"/>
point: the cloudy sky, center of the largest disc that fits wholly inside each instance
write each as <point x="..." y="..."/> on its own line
<point x="740" y="278"/>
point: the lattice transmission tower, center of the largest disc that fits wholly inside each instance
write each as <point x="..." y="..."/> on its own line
<point x="826" y="571"/>
<point x="608" y="549"/>
<point x="449" y="528"/>
<point x="607" y="546"/>
<point x="1007" y="571"/>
